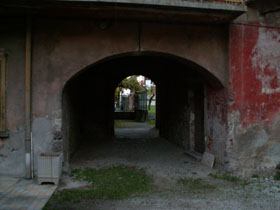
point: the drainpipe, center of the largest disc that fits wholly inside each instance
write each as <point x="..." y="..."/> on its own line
<point x="28" y="143"/>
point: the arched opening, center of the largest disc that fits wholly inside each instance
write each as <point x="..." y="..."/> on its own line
<point x="89" y="106"/>
<point x="135" y="108"/>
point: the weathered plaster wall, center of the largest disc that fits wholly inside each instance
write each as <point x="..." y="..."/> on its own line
<point x="12" y="149"/>
<point x="62" y="48"/>
<point x="242" y="128"/>
<point x="202" y="44"/>
<point x="216" y="123"/>
<point x="254" y="110"/>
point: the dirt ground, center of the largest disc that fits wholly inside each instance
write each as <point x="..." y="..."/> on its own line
<point x="139" y="146"/>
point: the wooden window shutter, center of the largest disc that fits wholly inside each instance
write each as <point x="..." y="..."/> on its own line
<point x="3" y="127"/>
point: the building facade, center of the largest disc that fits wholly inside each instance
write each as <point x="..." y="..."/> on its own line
<point x="216" y="65"/>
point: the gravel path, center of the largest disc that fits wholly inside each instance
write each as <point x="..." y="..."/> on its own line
<point x="166" y="163"/>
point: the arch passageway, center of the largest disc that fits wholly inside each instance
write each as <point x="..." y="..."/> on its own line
<point x="88" y="100"/>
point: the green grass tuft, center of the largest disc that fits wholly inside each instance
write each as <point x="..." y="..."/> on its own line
<point x="277" y="175"/>
<point x="256" y="176"/>
<point x="152" y="110"/>
<point x="118" y="182"/>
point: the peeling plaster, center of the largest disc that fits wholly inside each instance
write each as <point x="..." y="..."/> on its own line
<point x="57" y="120"/>
<point x="266" y="58"/>
<point x="253" y="118"/>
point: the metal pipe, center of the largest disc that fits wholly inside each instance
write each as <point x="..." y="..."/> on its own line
<point x="31" y="158"/>
<point x="28" y="150"/>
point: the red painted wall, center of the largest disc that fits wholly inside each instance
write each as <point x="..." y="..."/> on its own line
<point x="243" y="130"/>
<point x="253" y="98"/>
<point x="255" y="72"/>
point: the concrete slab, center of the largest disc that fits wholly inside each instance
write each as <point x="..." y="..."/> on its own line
<point x="208" y="159"/>
<point x="171" y="3"/>
<point x="164" y="10"/>
<point x="23" y="194"/>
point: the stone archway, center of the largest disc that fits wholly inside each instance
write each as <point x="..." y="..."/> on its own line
<point x="88" y="99"/>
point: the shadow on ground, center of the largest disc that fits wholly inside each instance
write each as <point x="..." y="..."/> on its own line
<point x="180" y="181"/>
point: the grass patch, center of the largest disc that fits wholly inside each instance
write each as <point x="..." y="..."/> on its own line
<point x="152" y="110"/>
<point x="195" y="184"/>
<point x="277" y="176"/>
<point x="151" y="122"/>
<point x="116" y="183"/>
<point x="278" y="166"/>
<point x="119" y="124"/>
<point x="225" y="176"/>
<point x="256" y="176"/>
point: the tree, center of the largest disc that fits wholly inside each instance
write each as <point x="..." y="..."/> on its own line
<point x="132" y="84"/>
<point x="151" y="94"/>
<point x="129" y="83"/>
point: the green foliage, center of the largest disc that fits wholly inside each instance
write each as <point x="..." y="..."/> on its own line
<point x="195" y="184"/>
<point x="117" y="93"/>
<point x="152" y="110"/>
<point x="151" y="91"/>
<point x="278" y="166"/>
<point x="131" y="83"/>
<point x="118" y="182"/>
<point x="225" y="176"/>
<point x="277" y="175"/>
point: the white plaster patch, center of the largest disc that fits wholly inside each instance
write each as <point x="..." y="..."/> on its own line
<point x="269" y="91"/>
<point x="57" y="121"/>
<point x="57" y="124"/>
<point x="266" y="57"/>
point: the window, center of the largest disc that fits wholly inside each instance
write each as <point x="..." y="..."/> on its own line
<point x="3" y="129"/>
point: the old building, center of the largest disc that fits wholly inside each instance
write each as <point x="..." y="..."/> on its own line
<point x="222" y="58"/>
